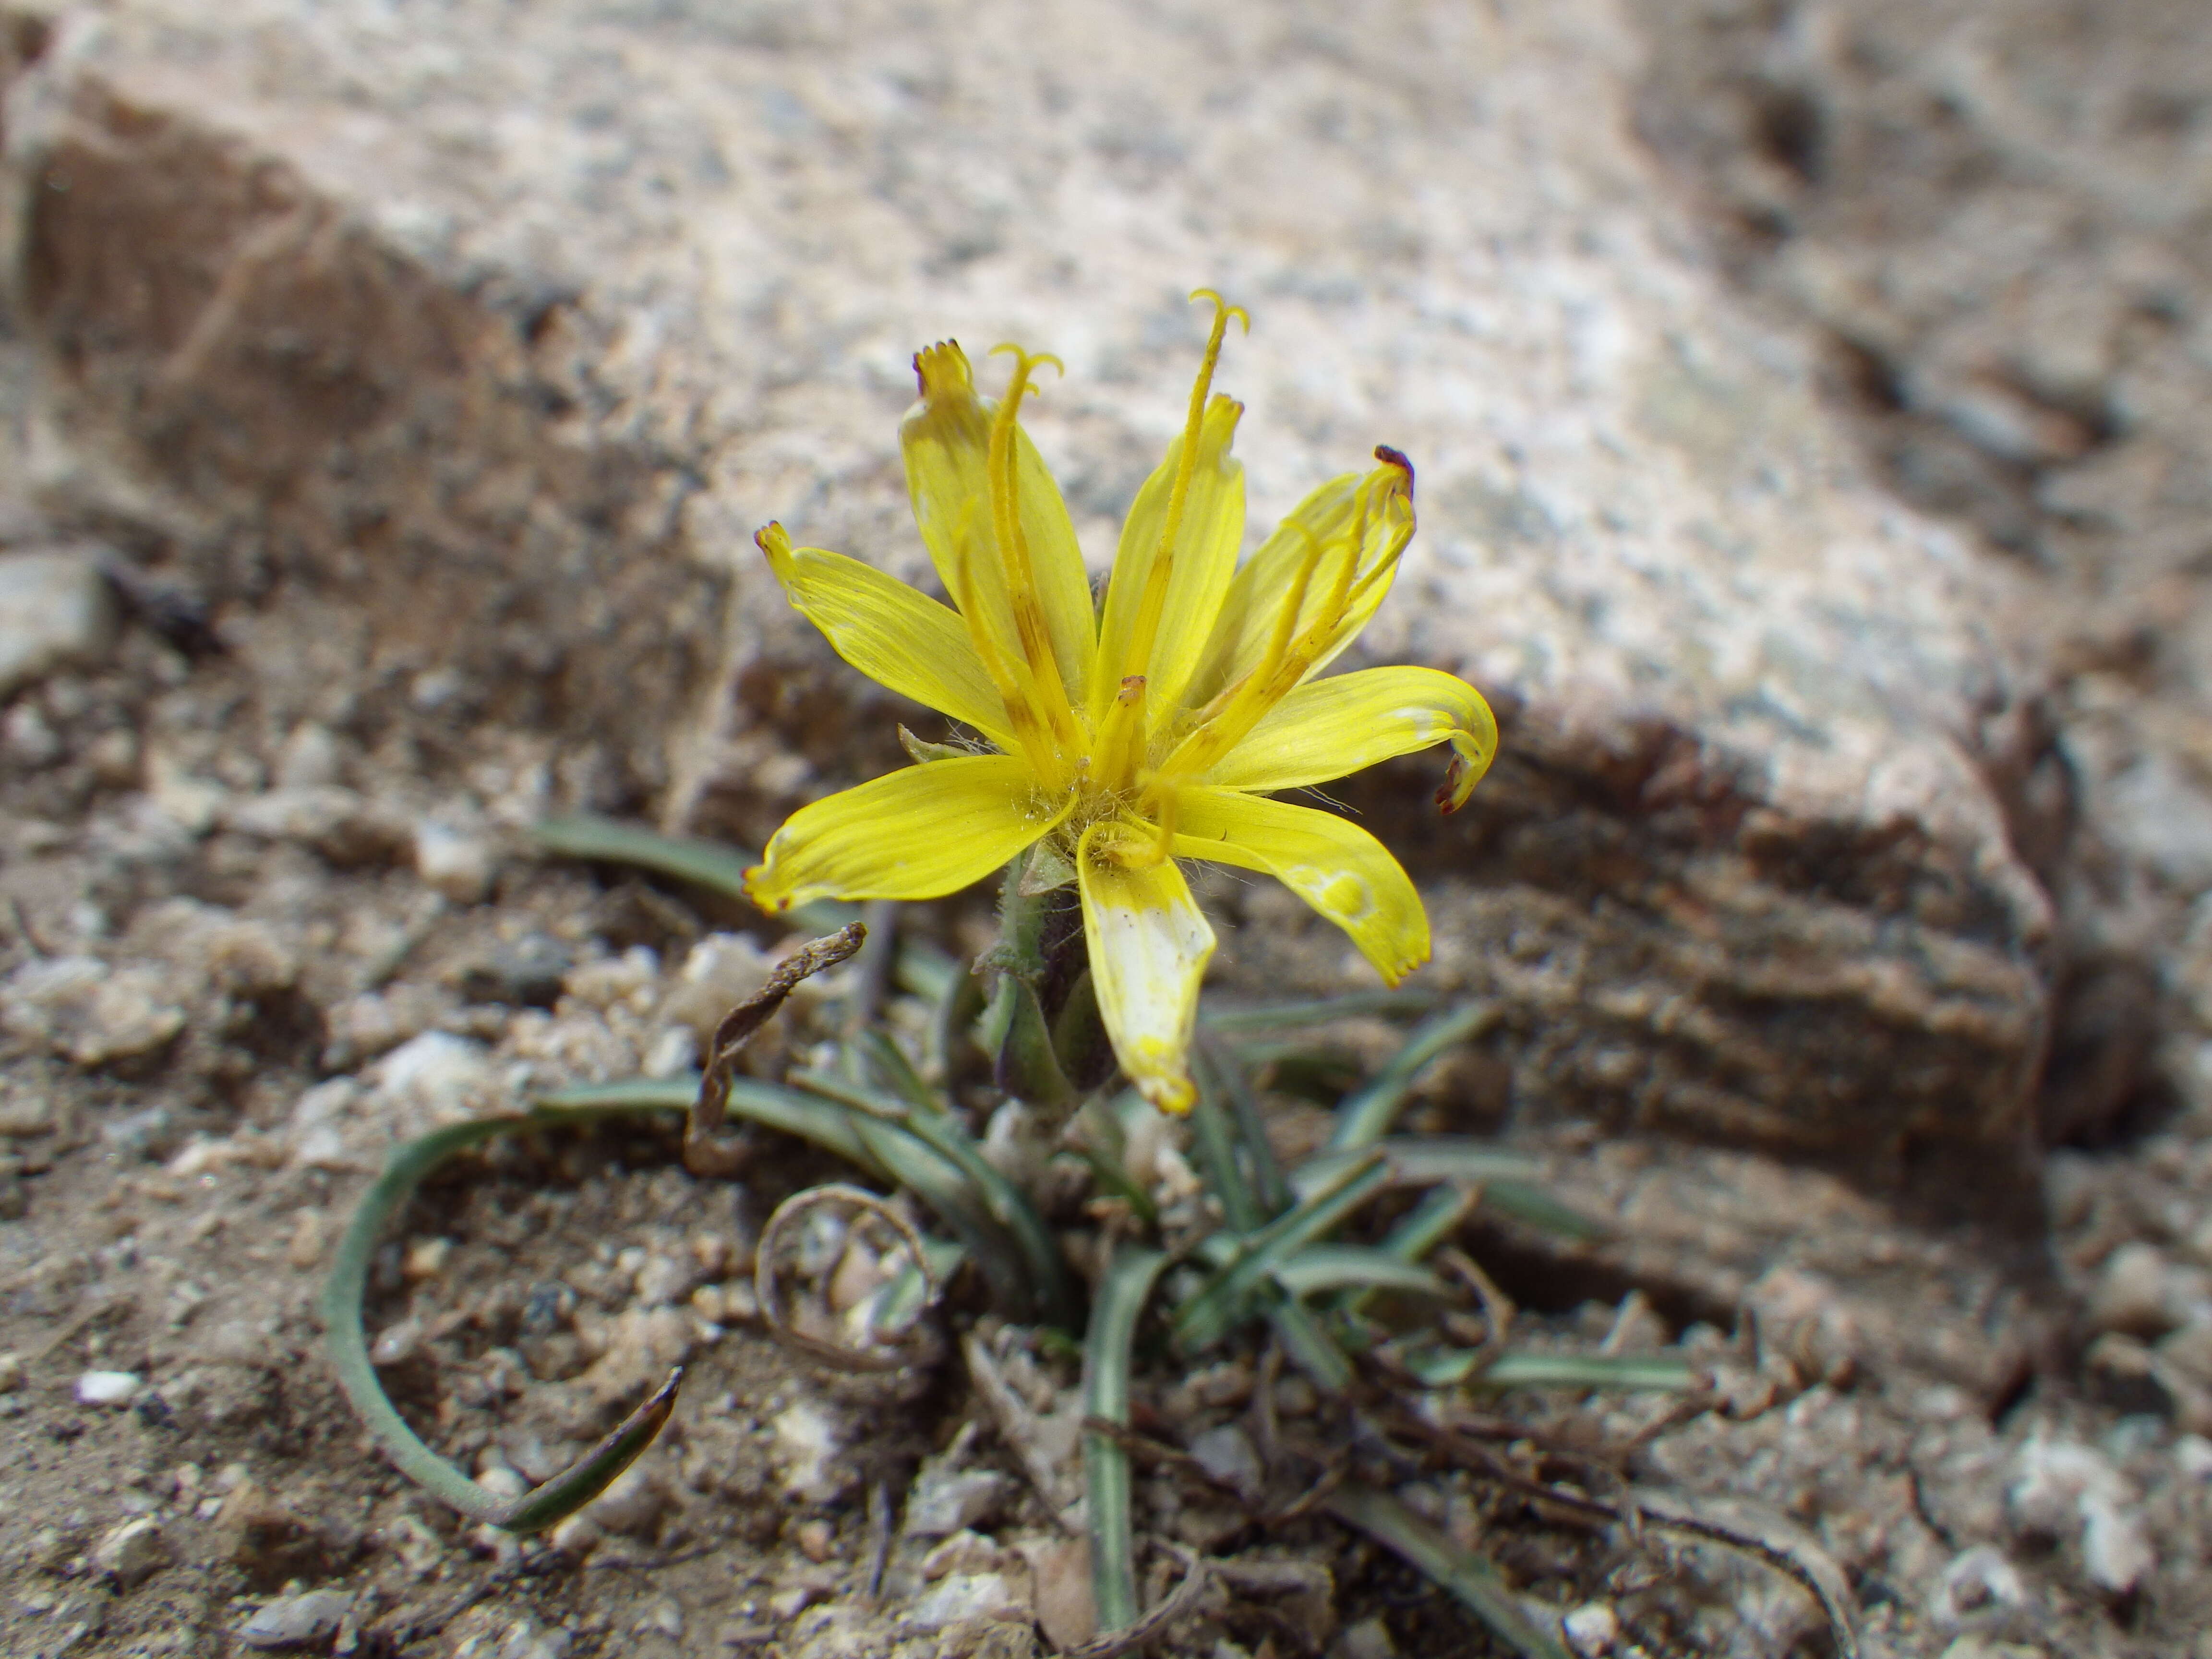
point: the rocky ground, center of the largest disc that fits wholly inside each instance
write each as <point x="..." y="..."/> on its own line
<point x="1808" y="399"/>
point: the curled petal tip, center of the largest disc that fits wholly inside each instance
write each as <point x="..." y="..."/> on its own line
<point x="1396" y="457"/>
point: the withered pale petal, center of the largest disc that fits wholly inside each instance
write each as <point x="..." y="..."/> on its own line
<point x="1149" y="946"/>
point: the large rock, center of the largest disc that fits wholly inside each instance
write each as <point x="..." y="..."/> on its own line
<point x="507" y="327"/>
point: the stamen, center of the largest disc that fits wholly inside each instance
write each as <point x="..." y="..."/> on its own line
<point x="1021" y="705"/>
<point x="1120" y="745"/>
<point x="1030" y="627"/>
<point x="1155" y="598"/>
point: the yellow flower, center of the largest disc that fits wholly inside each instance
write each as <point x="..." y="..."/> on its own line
<point x="1134" y="733"/>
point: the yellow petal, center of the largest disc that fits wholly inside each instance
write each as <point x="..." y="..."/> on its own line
<point x="1205" y="562"/>
<point x="918" y="833"/>
<point x="946" y="441"/>
<point x="1328" y="728"/>
<point x="1332" y="864"/>
<point x="1149" y="946"/>
<point x="897" y="637"/>
<point x="1063" y="585"/>
<point x="1328" y="518"/>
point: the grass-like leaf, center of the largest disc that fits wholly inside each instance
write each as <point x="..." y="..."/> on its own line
<point x="1343" y="1267"/>
<point x="713" y="865"/>
<point x="1480" y="1588"/>
<point x="1421" y="1161"/>
<point x="1440" y="1367"/>
<point x="1114" y="1313"/>
<point x="1290" y="1016"/>
<point x="1218" y="1304"/>
<point x="1367" y="1114"/>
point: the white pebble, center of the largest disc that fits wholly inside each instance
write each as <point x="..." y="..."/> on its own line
<point x="132" y="1553"/>
<point x="1592" y="1629"/>
<point x="55" y="608"/>
<point x="106" y="1388"/>
<point x="295" y="1621"/>
<point x="454" y="863"/>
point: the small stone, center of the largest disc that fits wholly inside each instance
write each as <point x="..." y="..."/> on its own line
<point x="439" y="1074"/>
<point x="1367" y="1639"/>
<point x="664" y="1616"/>
<point x="88" y="1012"/>
<point x="107" y="1388"/>
<point x="132" y="1553"/>
<point x="964" y="1551"/>
<point x="426" y="1259"/>
<point x="25" y="1112"/>
<point x="113" y="757"/>
<point x="949" y="1500"/>
<point x="1979" y="1584"/>
<point x="522" y="973"/>
<point x="1226" y="1455"/>
<point x="627" y="981"/>
<point x="2192" y="1456"/>
<point x="303" y="1250"/>
<point x="577" y="1536"/>
<point x="816" y="1540"/>
<point x="787" y="1603"/>
<point x="2130" y="1296"/>
<point x="396" y="1344"/>
<point x="1592" y="1629"/>
<point x="1066" y="1610"/>
<point x="502" y="1481"/>
<point x="807" y="1454"/>
<point x="673" y="1053"/>
<point x="2188" y="1350"/>
<point x="310" y="759"/>
<point x="295" y="1621"/>
<point x="29" y="740"/>
<point x="721" y="971"/>
<point x="2115" y="1548"/>
<point x="343" y="825"/>
<point x="453" y="862"/>
<point x="56" y="608"/>
<point x="664" y="1280"/>
<point x="140" y="1135"/>
<point x="11" y="1372"/>
<point x="634" y="1504"/>
<point x="713" y="1253"/>
<point x="419" y="1549"/>
<point x="963" y="1597"/>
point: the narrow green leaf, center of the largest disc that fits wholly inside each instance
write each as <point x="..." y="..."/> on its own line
<point x="1537" y="1208"/>
<point x="1222" y="1069"/>
<point x="710" y="864"/>
<point x="1669" y="1372"/>
<point x="1120" y="1302"/>
<point x="1336" y="1266"/>
<point x="1422" y="1160"/>
<point x="1365" y="1116"/>
<point x="1480" y="1588"/>
<point x="1309" y="1345"/>
<point x="562" y="1495"/>
<point x="1275" y="1017"/>
<point x="1215" y="1143"/>
<point x="1218" y="1304"/>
